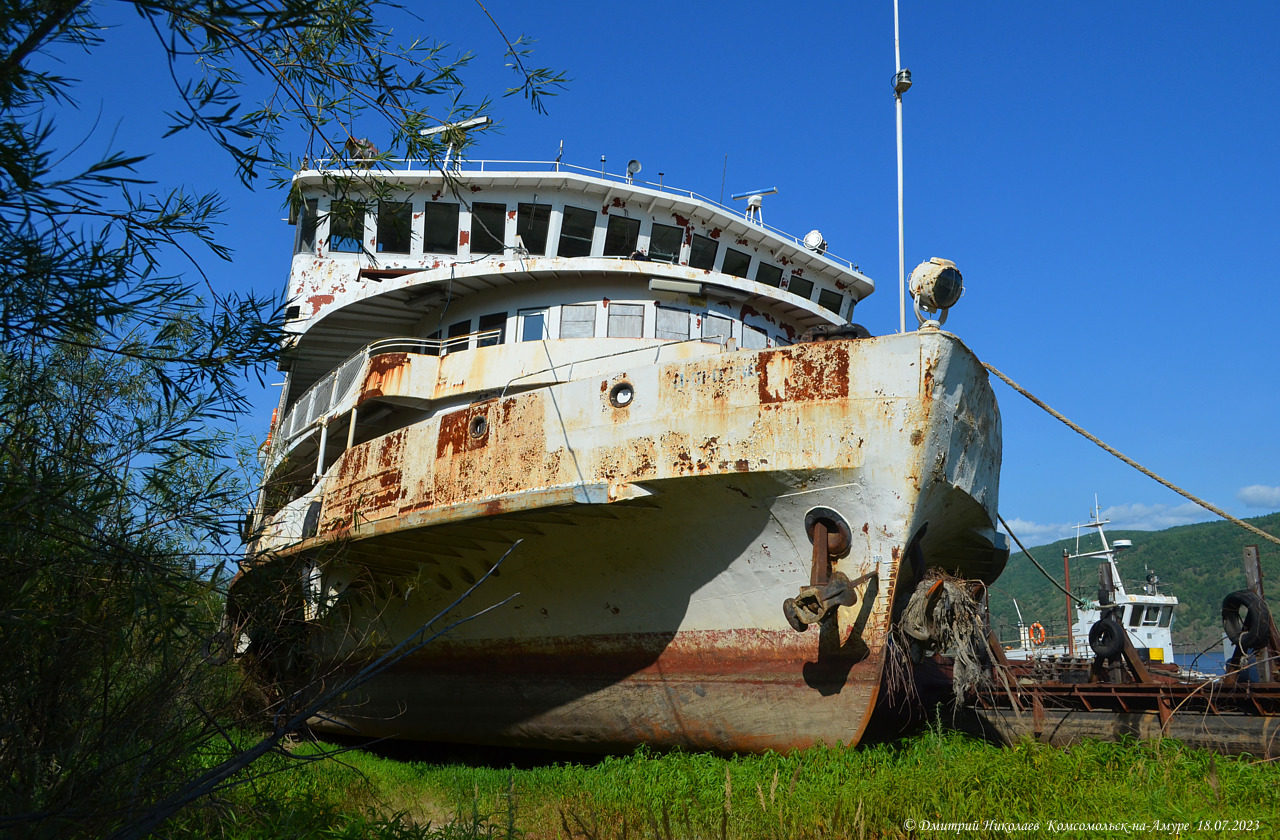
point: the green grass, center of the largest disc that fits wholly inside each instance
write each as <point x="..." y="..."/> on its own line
<point x="817" y="793"/>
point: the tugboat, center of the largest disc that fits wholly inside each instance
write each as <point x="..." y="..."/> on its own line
<point x="1146" y="616"/>
<point x="719" y="490"/>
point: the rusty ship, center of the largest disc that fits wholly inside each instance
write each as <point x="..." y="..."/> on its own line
<point x="720" y="490"/>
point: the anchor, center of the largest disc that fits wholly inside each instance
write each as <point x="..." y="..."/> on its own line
<point x="826" y="591"/>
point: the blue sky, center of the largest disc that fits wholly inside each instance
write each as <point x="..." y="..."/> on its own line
<point x="1104" y="175"/>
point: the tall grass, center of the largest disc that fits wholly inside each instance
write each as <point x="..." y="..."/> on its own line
<point x="818" y="793"/>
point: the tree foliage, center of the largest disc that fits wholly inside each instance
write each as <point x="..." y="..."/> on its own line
<point x="119" y="373"/>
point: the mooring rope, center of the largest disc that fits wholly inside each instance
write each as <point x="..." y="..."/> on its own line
<point x="1111" y="450"/>
<point x="1043" y="570"/>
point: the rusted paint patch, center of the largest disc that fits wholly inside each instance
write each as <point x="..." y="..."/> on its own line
<point x="680" y="220"/>
<point x="464" y="238"/>
<point x="455" y="431"/>
<point x="318" y="301"/>
<point x="817" y="371"/>
<point x="385" y="374"/>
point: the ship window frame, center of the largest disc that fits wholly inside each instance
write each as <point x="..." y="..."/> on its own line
<point x="625" y="240"/>
<point x="804" y="282"/>
<point x="397" y="226"/>
<point x="716" y="338"/>
<point x="1151" y="617"/>
<point x="456" y="330"/>
<point x="668" y="231"/>
<point x="438" y="217"/>
<point x="763" y="338"/>
<point x="492" y="321"/>
<point x="523" y="318"/>
<point x="616" y="321"/>
<point x="484" y="241"/>
<point x="1135" y="615"/>
<point x="1166" y="615"/>
<point x="662" y="313"/>
<point x="769" y="268"/>
<point x="579" y="308"/>
<point x="699" y="257"/>
<point x="346" y="217"/>
<point x="308" y="224"/>
<point x="825" y="296"/>
<point x="572" y="221"/>
<point x="735" y="263"/>
<point x="533" y="225"/>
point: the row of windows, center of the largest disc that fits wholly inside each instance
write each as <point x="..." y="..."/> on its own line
<point x="394" y="235"/>
<point x="579" y="320"/>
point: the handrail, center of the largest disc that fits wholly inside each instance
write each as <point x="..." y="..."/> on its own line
<point x="556" y="166"/>
<point x="338" y="385"/>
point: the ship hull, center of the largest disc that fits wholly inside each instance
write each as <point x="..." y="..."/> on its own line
<point x="657" y="543"/>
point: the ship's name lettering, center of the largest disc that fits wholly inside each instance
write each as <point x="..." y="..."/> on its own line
<point x="698" y="378"/>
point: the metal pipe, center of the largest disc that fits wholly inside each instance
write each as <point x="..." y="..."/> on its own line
<point x="351" y="429"/>
<point x="324" y="440"/>
<point x="902" y="254"/>
<point x="1071" y="635"/>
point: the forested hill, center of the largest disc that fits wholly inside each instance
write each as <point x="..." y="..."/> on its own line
<point x="1198" y="563"/>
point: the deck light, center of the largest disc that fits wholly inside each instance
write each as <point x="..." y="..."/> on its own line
<point x="936" y="286"/>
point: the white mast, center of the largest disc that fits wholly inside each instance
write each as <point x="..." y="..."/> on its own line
<point x="901" y="81"/>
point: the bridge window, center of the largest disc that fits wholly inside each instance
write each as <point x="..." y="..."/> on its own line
<point x="736" y="263"/>
<point x="664" y="243"/>
<point x="440" y="234"/>
<point x="626" y="320"/>
<point x="307" y="227"/>
<point x="800" y="286"/>
<point x="532" y="223"/>
<point x="346" y="226"/>
<point x="395" y="226"/>
<point x="578" y="320"/>
<point x="702" y="253"/>
<point x="576" y="230"/>
<point x="671" y="324"/>
<point x="770" y="275"/>
<point x="621" y="237"/>
<point x="488" y="228"/>
<point x="828" y="299"/>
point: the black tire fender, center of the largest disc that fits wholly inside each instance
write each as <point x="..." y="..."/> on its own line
<point x="1252" y="630"/>
<point x="1106" y="637"/>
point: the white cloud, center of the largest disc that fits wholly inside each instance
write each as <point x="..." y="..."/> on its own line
<point x="1037" y="533"/>
<point x="1131" y="517"/>
<point x="1260" y="496"/>
<point x="1140" y="517"/>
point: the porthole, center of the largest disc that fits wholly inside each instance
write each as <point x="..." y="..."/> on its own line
<point x="621" y="395"/>
<point x="479" y="426"/>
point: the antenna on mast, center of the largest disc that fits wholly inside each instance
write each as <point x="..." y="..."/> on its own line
<point x="901" y="82"/>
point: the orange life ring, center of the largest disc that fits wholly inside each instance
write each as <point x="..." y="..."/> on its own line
<point x="1037" y="634"/>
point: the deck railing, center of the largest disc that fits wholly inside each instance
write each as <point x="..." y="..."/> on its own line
<point x="338" y="385"/>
